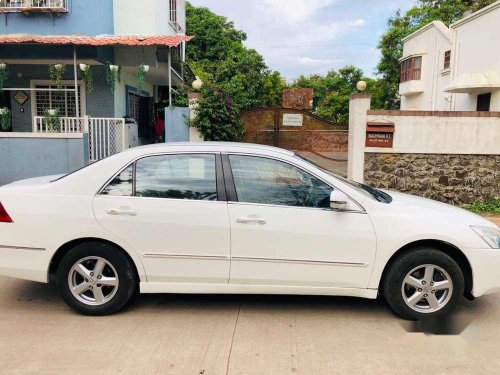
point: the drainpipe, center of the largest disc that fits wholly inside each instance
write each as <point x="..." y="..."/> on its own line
<point x="77" y="99"/>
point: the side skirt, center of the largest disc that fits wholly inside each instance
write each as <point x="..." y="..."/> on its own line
<point x="194" y="288"/>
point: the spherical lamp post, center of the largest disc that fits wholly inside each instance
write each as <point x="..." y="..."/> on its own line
<point x="361" y="86"/>
<point x="197" y="84"/>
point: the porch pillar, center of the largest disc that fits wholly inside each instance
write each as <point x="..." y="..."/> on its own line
<point x="75" y="71"/>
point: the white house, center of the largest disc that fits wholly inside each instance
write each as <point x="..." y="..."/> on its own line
<point x="455" y="68"/>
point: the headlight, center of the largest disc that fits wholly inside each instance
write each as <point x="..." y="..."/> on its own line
<point x="490" y="235"/>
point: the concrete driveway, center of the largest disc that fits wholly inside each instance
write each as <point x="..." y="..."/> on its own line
<point x="175" y="334"/>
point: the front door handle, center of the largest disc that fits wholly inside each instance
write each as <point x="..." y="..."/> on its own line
<point x="251" y="220"/>
<point x="122" y="212"/>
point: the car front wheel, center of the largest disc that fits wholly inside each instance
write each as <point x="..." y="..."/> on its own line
<point x="423" y="283"/>
<point x="96" y="279"/>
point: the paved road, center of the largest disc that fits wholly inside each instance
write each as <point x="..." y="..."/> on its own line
<point x="173" y="334"/>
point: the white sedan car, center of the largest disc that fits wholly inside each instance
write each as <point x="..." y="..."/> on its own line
<point x="239" y="218"/>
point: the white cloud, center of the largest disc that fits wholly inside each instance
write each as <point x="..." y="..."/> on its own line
<point x="292" y="11"/>
<point x="312" y="62"/>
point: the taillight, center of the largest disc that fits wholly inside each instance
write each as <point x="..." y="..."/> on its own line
<point x="4" y="216"/>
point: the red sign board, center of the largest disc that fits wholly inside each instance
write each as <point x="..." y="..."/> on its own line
<point x="379" y="135"/>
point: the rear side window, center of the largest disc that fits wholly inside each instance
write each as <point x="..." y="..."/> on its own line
<point x="185" y="176"/>
<point x="121" y="185"/>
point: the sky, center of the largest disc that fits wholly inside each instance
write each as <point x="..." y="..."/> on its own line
<point x="311" y="36"/>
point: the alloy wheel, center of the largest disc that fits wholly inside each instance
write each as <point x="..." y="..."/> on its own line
<point x="427" y="288"/>
<point x="93" y="281"/>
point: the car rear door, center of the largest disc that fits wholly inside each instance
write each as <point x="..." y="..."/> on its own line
<point x="172" y="209"/>
<point x="283" y="231"/>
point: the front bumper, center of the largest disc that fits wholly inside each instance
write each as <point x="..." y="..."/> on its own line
<point x="485" y="265"/>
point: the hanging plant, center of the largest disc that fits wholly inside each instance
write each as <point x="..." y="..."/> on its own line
<point x="114" y="76"/>
<point x="141" y="75"/>
<point x="4" y="119"/>
<point x="56" y="73"/>
<point x="52" y="119"/>
<point x="87" y="77"/>
<point x="3" y="74"/>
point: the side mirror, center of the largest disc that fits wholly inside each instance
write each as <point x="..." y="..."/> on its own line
<point x="338" y="200"/>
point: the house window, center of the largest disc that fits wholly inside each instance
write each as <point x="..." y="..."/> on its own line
<point x="64" y="101"/>
<point x="411" y="69"/>
<point x="483" y="102"/>
<point x="447" y="59"/>
<point x="173" y="11"/>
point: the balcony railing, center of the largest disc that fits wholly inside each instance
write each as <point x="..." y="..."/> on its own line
<point x="33" y="6"/>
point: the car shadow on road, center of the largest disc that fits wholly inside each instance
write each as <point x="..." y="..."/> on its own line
<point x="153" y="304"/>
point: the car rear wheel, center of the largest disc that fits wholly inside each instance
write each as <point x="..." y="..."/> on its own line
<point x="96" y="279"/>
<point x="423" y="283"/>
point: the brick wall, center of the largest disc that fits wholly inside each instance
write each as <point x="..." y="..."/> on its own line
<point x="265" y="126"/>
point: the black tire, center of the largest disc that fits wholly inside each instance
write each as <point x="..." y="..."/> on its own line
<point x="405" y="263"/>
<point x="125" y="271"/>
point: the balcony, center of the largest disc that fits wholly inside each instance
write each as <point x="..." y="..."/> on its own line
<point x="33" y="6"/>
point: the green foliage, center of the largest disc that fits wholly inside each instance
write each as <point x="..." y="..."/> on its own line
<point x="5" y="118"/>
<point x="273" y="90"/>
<point x="56" y="74"/>
<point x="4" y="73"/>
<point x="141" y="76"/>
<point x="113" y="76"/>
<point x="52" y="119"/>
<point x="332" y="91"/>
<point x="218" y="118"/>
<point x="217" y="55"/>
<point x="402" y="25"/>
<point x="491" y="206"/>
<point x="87" y="78"/>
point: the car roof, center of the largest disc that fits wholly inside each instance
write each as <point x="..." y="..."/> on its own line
<point x="212" y="146"/>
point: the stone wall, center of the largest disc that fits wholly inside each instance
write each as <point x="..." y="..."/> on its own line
<point x="456" y="179"/>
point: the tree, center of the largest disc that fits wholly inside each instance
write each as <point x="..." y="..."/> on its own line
<point x="402" y="25"/>
<point x="217" y="55"/>
<point x="218" y="119"/>
<point x="332" y="91"/>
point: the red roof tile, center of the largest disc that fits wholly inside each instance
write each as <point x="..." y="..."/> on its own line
<point x="100" y="40"/>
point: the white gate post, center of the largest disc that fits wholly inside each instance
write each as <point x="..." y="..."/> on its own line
<point x="359" y="105"/>
<point x="194" y="134"/>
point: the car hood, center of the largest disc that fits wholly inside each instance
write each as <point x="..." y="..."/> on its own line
<point x="432" y="210"/>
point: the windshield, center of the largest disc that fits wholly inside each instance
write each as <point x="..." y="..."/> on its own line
<point x="366" y="190"/>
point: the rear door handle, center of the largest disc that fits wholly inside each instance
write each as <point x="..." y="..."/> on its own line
<point x="251" y="220"/>
<point x="122" y="212"/>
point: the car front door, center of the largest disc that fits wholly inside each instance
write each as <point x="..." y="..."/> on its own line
<point x="172" y="210"/>
<point x="283" y="231"/>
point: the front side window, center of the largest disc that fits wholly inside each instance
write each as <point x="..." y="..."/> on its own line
<point x="177" y="177"/>
<point x="267" y="181"/>
<point x="411" y="69"/>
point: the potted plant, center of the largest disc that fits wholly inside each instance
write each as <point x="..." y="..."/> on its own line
<point x="3" y="74"/>
<point x="4" y="119"/>
<point x="141" y="75"/>
<point x="56" y="73"/>
<point x="87" y="77"/>
<point x="52" y="119"/>
<point x="113" y="76"/>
